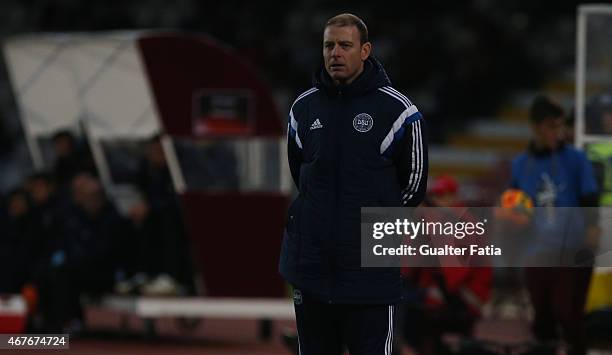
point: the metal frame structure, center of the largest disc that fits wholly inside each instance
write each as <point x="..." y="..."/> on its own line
<point x="582" y="138"/>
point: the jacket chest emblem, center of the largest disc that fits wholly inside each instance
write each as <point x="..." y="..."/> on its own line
<point x="363" y="122"/>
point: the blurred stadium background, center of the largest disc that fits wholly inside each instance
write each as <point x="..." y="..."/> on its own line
<point x="472" y="67"/>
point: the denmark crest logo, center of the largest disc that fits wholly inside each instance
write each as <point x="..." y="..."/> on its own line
<point x="363" y="122"/>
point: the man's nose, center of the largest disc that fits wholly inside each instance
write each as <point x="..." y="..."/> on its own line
<point x="335" y="51"/>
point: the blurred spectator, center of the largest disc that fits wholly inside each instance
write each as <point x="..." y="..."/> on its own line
<point x="555" y="175"/>
<point x="444" y="192"/>
<point x="16" y="242"/>
<point x="47" y="212"/>
<point x="161" y="264"/>
<point x="48" y="208"/>
<point x="154" y="178"/>
<point x="445" y="299"/>
<point x="70" y="158"/>
<point x="41" y="188"/>
<point x="82" y="257"/>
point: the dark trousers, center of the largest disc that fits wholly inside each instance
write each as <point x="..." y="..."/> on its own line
<point x="558" y="296"/>
<point x="327" y="329"/>
<point x="161" y="246"/>
<point x="60" y="289"/>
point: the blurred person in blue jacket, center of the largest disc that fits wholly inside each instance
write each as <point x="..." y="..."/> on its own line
<point x="555" y="175"/>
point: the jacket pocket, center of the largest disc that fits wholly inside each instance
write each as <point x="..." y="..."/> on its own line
<point x="288" y="257"/>
<point x="303" y="179"/>
<point x="293" y="216"/>
<point x="291" y="248"/>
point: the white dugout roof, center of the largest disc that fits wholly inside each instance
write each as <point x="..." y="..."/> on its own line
<point x="60" y="79"/>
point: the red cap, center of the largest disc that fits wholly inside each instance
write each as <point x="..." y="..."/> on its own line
<point x="444" y="185"/>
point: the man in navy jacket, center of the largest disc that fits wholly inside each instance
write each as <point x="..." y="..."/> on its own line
<point x="353" y="141"/>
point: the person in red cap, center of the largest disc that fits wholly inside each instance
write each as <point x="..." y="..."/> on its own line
<point x="444" y="192"/>
<point x="449" y="299"/>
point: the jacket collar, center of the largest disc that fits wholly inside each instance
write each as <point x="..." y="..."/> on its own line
<point x="371" y="78"/>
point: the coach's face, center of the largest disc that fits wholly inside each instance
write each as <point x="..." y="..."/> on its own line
<point x="343" y="53"/>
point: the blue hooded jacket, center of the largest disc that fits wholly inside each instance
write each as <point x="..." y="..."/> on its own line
<point x="349" y="146"/>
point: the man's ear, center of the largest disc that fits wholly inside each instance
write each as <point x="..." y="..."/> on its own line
<point x="366" y="49"/>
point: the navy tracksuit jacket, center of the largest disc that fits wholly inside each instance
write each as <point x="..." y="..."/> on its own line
<point x="353" y="146"/>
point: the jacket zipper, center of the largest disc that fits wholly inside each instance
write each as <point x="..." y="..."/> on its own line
<point x="337" y="168"/>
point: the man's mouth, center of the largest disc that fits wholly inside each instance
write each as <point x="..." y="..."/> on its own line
<point x="336" y="66"/>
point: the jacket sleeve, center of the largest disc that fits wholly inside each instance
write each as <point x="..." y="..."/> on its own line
<point x="412" y="163"/>
<point x="294" y="149"/>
